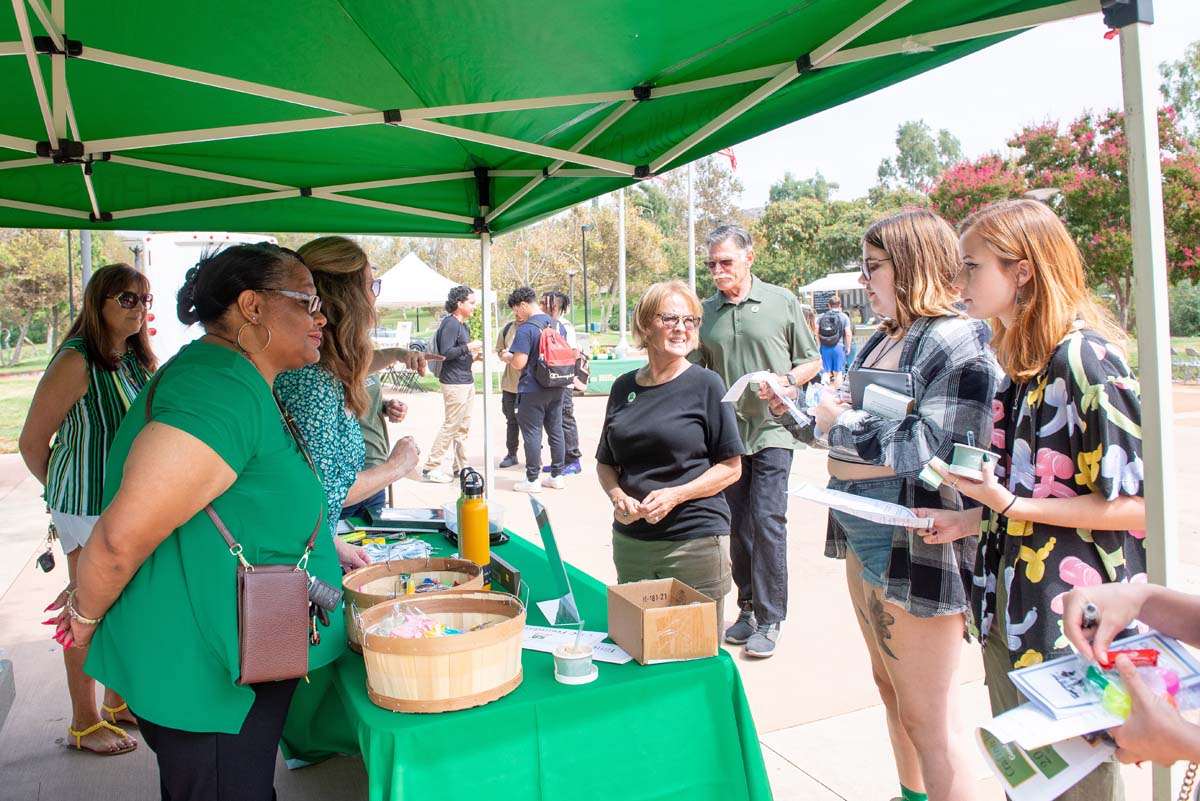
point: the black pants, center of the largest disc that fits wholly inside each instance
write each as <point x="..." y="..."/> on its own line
<point x="758" y="539"/>
<point x="207" y="766"/>
<point x="570" y="430"/>
<point x="512" y="429"/>
<point x="535" y="411"/>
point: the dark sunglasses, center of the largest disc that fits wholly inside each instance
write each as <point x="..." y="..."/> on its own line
<point x="130" y="300"/>
<point x="690" y="321"/>
<point x="313" y="302"/>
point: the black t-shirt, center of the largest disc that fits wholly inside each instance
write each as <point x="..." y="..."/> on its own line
<point x="667" y="435"/>
<point x="453" y="336"/>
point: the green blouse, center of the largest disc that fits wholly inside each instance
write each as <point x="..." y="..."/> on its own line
<point x="169" y="644"/>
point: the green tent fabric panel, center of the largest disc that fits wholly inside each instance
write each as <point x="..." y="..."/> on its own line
<point x="382" y="56"/>
<point x="53" y="186"/>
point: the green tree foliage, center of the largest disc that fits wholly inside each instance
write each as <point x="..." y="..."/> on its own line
<point x="33" y="278"/>
<point x="920" y="156"/>
<point x="1088" y="163"/>
<point x="1185" y="309"/>
<point x="971" y="185"/>
<point x="1181" y="88"/>
<point x="792" y="188"/>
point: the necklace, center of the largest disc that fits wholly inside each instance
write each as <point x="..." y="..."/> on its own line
<point x="879" y="356"/>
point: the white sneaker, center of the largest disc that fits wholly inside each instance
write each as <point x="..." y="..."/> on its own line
<point x="554" y="482"/>
<point x="436" y="476"/>
<point x="527" y="486"/>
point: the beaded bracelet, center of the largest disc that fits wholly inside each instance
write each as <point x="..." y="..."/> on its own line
<point x="73" y="611"/>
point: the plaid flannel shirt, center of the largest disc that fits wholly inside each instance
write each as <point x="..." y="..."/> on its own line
<point x="954" y="381"/>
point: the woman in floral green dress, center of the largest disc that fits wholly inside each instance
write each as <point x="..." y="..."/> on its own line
<point x="1064" y="503"/>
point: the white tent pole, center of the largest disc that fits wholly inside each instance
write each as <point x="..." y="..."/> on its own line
<point x="16" y="164"/>
<point x="219" y="81"/>
<point x="11" y="49"/>
<point x="38" y="207"/>
<point x="485" y="261"/>
<point x="390" y="182"/>
<point x="211" y="176"/>
<point x="555" y="168"/>
<point x="35" y="70"/>
<point x="1153" y="334"/>
<point x="231" y="132"/>
<point x="852" y="32"/>
<point x="91" y="190"/>
<point x="18" y="143"/>
<point x="396" y="207"/>
<point x="519" y="145"/>
<point x="622" y="345"/>
<point x="924" y="42"/>
<point x="691" y="224"/>
<point x="51" y="21"/>
<point x="58" y="68"/>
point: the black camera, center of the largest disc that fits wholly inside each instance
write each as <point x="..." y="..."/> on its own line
<point x="322" y="595"/>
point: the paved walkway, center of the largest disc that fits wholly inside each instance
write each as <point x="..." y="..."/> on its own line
<point x="818" y="717"/>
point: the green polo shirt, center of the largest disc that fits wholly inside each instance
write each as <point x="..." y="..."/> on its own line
<point x="374" y="427"/>
<point x="766" y="331"/>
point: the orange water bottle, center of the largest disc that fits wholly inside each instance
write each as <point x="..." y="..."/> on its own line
<point x="473" y="536"/>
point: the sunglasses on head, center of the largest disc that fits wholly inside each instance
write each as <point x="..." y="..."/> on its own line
<point x="130" y="300"/>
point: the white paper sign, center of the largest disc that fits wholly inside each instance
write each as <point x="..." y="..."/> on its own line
<point x="889" y="514"/>
<point x="547" y="638"/>
<point x="766" y="377"/>
<point x="1041" y="774"/>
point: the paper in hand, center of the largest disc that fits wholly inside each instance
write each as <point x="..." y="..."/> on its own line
<point x="889" y="514"/>
<point x="766" y="377"/>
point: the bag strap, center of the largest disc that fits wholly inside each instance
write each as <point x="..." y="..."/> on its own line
<point x="235" y="547"/>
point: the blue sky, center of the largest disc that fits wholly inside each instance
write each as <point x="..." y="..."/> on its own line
<point x="1050" y="73"/>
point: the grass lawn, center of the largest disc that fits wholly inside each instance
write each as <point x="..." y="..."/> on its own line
<point x="15" y="394"/>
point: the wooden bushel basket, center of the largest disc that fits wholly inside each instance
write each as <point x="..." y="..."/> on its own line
<point x="441" y="674"/>
<point x="381" y="581"/>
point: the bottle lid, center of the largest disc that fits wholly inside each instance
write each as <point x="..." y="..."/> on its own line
<point x="472" y="484"/>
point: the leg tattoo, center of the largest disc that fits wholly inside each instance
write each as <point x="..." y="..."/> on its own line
<point x="882" y="619"/>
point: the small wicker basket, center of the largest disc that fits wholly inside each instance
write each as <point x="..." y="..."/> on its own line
<point x="382" y="581"/>
<point x="441" y="674"/>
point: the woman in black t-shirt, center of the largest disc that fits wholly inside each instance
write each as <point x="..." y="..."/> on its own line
<point x="668" y="448"/>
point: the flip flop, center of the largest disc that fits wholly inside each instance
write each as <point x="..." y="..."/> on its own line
<point x="103" y="724"/>
<point x="113" y="710"/>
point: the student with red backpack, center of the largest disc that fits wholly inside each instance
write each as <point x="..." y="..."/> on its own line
<point x="547" y="364"/>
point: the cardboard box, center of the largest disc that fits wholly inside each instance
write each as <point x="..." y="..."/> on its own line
<point x="662" y="620"/>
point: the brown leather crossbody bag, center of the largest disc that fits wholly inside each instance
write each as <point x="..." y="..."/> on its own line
<point x="272" y="600"/>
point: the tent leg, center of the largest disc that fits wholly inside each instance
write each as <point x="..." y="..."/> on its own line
<point x="485" y="259"/>
<point x="1153" y="334"/>
<point x="622" y="345"/>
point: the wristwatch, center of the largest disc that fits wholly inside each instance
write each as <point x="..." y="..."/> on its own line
<point x="791" y="379"/>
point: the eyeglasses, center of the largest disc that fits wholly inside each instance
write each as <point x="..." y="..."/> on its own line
<point x="725" y="264"/>
<point x="376" y="287"/>
<point x="312" y="301"/>
<point x="130" y="300"/>
<point x="869" y="266"/>
<point x="690" y="321"/>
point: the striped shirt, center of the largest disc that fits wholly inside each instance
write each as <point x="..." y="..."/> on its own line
<point x="79" y="450"/>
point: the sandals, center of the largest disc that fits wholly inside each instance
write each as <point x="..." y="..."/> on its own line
<point x="112" y="713"/>
<point x="103" y="724"/>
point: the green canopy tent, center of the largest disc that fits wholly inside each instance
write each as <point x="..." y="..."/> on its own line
<point x="471" y="120"/>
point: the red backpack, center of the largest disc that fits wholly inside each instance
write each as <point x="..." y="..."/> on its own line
<point x="555" y="366"/>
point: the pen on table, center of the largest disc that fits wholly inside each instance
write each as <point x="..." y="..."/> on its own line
<point x="1090" y="615"/>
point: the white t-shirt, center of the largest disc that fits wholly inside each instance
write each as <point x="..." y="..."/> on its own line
<point x="570" y="336"/>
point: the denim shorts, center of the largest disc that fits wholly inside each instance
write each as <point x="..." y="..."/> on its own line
<point x="871" y="542"/>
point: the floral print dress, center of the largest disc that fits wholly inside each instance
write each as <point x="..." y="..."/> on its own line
<point x="334" y="438"/>
<point x="1074" y="428"/>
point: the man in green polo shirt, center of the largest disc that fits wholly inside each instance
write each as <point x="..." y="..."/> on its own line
<point x="750" y="325"/>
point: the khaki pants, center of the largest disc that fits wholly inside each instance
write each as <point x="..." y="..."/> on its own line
<point x="1102" y="784"/>
<point x="701" y="563"/>
<point x="458" y="399"/>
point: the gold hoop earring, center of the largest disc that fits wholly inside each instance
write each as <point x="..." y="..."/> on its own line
<point x="245" y="325"/>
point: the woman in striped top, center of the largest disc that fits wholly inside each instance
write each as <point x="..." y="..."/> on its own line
<point x="79" y="403"/>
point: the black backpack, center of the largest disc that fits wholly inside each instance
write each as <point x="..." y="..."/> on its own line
<point x="830" y="329"/>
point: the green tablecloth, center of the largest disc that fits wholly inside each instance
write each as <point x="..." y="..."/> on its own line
<point x="670" y="731"/>
<point x="605" y="371"/>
